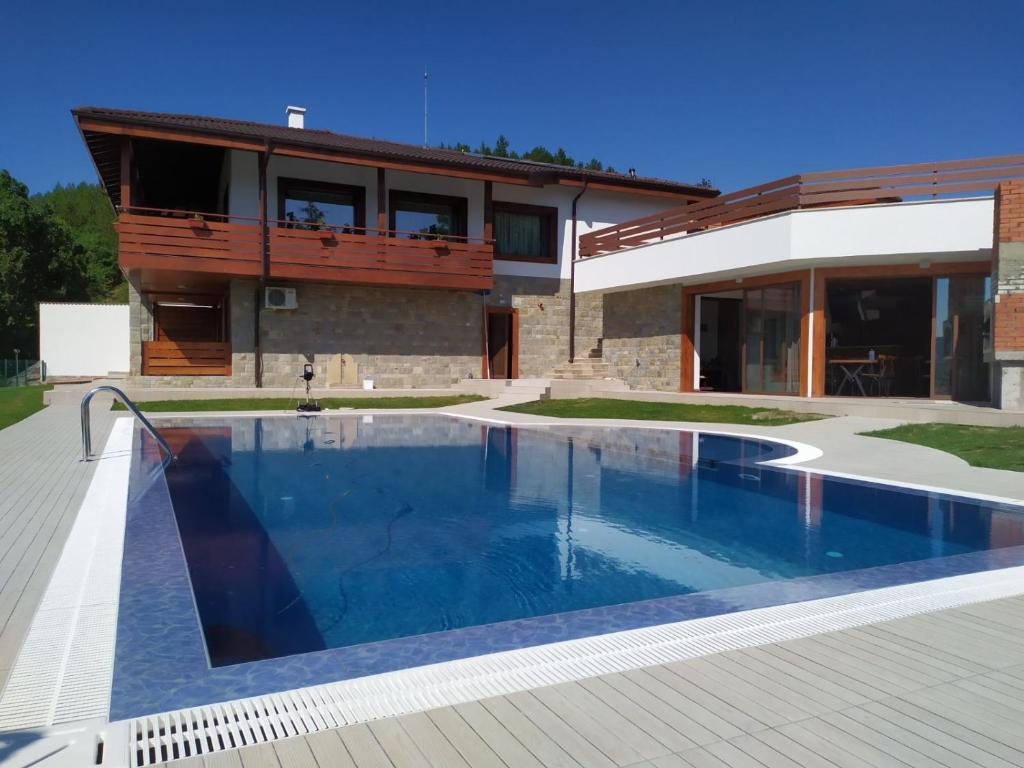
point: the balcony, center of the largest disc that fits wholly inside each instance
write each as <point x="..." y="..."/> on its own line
<point x="828" y="189"/>
<point x="184" y="241"/>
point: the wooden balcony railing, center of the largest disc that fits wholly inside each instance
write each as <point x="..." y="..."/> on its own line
<point x="151" y="238"/>
<point x="351" y="255"/>
<point x="186" y="358"/>
<point x="859" y="186"/>
<point x="186" y="241"/>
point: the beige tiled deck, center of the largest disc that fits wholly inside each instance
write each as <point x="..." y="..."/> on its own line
<point x="942" y="689"/>
<point x="42" y="483"/>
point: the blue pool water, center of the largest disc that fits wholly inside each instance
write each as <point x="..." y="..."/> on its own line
<point x="307" y="534"/>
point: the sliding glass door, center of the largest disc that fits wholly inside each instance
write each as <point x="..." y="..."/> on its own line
<point x="771" y="339"/>
<point x="960" y="371"/>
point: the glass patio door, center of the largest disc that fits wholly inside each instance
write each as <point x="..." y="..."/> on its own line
<point x="959" y="369"/>
<point x="771" y="339"/>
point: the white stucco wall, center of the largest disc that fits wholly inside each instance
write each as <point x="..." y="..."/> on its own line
<point x="597" y="208"/>
<point x="934" y="230"/>
<point x="83" y="339"/>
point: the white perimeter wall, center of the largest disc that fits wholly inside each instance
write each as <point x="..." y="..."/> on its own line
<point x="940" y="230"/>
<point x="83" y="339"/>
<point x="596" y="209"/>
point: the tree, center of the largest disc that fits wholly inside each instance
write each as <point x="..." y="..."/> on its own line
<point x="87" y="212"/>
<point x="539" y="154"/>
<point x="39" y="261"/>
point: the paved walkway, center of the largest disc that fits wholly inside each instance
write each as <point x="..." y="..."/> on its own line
<point x="843" y="448"/>
<point x="939" y="690"/>
<point x="43" y="482"/>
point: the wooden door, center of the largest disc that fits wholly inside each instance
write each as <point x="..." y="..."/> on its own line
<point x="501" y="343"/>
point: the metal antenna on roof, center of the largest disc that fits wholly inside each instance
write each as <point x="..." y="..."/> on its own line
<point x="425" y="112"/>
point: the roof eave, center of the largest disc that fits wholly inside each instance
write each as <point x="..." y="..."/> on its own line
<point x="528" y="176"/>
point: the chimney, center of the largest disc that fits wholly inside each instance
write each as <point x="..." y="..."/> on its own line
<point x="296" y="116"/>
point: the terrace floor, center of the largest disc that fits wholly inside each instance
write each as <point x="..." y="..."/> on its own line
<point x="938" y="689"/>
<point x="43" y="482"/>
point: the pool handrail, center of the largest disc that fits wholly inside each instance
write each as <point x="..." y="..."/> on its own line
<point x="126" y="401"/>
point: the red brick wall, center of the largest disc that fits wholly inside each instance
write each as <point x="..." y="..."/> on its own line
<point x="1009" y="268"/>
<point x="1009" y="323"/>
<point x="1009" y="217"/>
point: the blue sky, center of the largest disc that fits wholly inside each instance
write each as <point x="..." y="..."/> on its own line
<point x="738" y="92"/>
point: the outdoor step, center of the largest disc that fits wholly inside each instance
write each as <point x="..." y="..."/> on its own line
<point x="583" y="365"/>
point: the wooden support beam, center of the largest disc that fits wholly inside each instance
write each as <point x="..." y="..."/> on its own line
<point x="169" y="134"/>
<point x="488" y="211"/>
<point x="126" y="172"/>
<point x="264" y="240"/>
<point x="332" y="156"/>
<point x="686" y="347"/>
<point x="382" y="201"/>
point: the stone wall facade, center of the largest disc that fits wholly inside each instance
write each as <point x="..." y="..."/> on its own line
<point x="241" y="330"/>
<point x="543" y="305"/>
<point x="399" y="337"/>
<point x="1008" y="309"/>
<point x="642" y="336"/>
<point x="589" y="322"/>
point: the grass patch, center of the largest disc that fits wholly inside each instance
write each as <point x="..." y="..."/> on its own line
<point x="288" y="403"/>
<point x="994" y="447"/>
<point x="605" y="408"/>
<point x="17" y="403"/>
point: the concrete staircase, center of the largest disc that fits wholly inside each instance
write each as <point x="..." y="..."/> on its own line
<point x="523" y="389"/>
<point x="581" y="369"/>
<point x="586" y="376"/>
<point x="590" y="367"/>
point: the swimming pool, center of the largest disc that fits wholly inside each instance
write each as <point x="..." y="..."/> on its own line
<point x="282" y="552"/>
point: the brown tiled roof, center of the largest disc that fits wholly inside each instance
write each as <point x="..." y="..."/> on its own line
<point x="379" y="148"/>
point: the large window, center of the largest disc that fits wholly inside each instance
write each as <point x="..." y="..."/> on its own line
<point x="312" y="204"/>
<point x="525" y="232"/>
<point x="771" y="347"/>
<point x="417" y="215"/>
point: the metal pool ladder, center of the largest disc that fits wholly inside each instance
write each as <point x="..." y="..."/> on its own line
<point x="87" y="431"/>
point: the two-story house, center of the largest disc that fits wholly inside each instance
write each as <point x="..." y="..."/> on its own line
<point x="253" y="249"/>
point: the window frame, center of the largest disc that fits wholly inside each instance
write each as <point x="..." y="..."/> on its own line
<point x="284" y="183"/>
<point x="460" y="205"/>
<point x="549" y="217"/>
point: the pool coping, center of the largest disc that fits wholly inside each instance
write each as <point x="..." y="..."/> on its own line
<point x="417" y="687"/>
<point x="152" y="675"/>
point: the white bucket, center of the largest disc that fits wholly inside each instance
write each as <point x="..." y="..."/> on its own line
<point x="367" y="383"/>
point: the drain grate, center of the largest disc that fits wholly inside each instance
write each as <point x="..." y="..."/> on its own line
<point x="219" y="727"/>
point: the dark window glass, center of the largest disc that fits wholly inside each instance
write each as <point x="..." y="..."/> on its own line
<point x="525" y="232"/>
<point x="416" y="215"/>
<point x="311" y="204"/>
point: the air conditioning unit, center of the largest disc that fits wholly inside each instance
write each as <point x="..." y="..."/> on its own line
<point x="280" y="298"/>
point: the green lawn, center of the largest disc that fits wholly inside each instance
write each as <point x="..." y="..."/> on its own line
<point x="288" y="403"/>
<point x="995" y="447"/>
<point x="18" y="402"/>
<point x="603" y="408"/>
